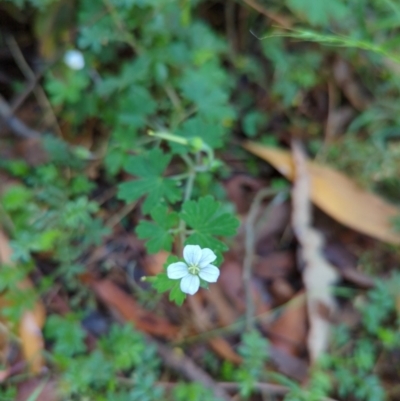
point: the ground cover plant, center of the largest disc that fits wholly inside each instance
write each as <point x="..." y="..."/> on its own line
<point x="199" y="200"/>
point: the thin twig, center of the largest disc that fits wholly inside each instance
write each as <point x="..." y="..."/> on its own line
<point x="249" y="252"/>
<point x="16" y="104"/>
<point x="50" y="117"/>
<point x="184" y="365"/>
<point x="117" y="217"/>
<point x="16" y="125"/>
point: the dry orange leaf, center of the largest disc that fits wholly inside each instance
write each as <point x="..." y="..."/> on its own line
<point x="337" y="195"/>
<point x="289" y="331"/>
<point x="130" y="310"/>
<point x="224" y="349"/>
<point x="32" y="321"/>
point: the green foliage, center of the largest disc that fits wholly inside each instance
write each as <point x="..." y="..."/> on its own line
<point x="208" y="221"/>
<point x="254" y="351"/>
<point x="154" y="65"/>
<point x="319" y="14"/>
<point x="162" y="284"/>
<point x="354" y="357"/>
<point x="67" y="334"/>
<point x="68" y="90"/>
<point x="149" y="167"/>
<point x="192" y="392"/>
<point x="158" y="232"/>
<point x="95" y="374"/>
<point x="124" y="345"/>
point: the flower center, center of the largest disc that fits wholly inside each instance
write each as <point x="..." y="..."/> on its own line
<point x="194" y="269"/>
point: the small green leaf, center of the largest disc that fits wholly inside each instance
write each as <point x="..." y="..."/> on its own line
<point x="46" y="240"/>
<point x="206" y="218"/>
<point x="196" y="127"/>
<point x="157" y="232"/>
<point x="162" y="283"/>
<point x="16" y="197"/>
<point x="176" y="295"/>
<point x="318" y="13"/>
<point x="149" y="167"/>
<point x="67" y="333"/>
<point x="253" y="122"/>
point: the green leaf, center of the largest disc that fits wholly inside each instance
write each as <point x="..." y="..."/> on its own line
<point x="206" y="218"/>
<point x="68" y="334"/>
<point x="176" y="295"/>
<point x="253" y="122"/>
<point x="206" y="88"/>
<point x="68" y="90"/>
<point x="161" y="283"/>
<point x="149" y="168"/>
<point x="135" y="106"/>
<point x="318" y="12"/>
<point x="211" y="134"/>
<point x="16" y="197"/>
<point x="157" y="232"/>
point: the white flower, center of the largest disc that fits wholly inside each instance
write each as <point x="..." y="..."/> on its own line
<point x="74" y="59"/>
<point x="197" y="264"/>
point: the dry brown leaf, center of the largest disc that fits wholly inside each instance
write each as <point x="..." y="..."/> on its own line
<point x="32" y="321"/>
<point x="153" y="264"/>
<point x="130" y="310"/>
<point x="289" y="331"/>
<point x="224" y="350"/>
<point x="337" y="195"/>
<point x="225" y="311"/>
<point x="318" y="274"/>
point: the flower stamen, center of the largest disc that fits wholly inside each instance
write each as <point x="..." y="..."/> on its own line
<point x="193" y="269"/>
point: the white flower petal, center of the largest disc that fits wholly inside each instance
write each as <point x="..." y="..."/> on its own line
<point x="207" y="257"/>
<point x="209" y="273"/>
<point x="192" y="254"/>
<point x="190" y="284"/>
<point x="177" y="270"/>
<point x="74" y="59"/>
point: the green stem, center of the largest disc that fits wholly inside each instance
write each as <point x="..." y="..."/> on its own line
<point x="191" y="175"/>
<point x="179" y="177"/>
<point x="169" y="137"/>
<point x="189" y="185"/>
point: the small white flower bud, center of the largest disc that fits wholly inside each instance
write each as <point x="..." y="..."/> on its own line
<point x="74" y="59"/>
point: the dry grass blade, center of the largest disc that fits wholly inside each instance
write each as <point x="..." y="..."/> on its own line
<point x="318" y="274"/>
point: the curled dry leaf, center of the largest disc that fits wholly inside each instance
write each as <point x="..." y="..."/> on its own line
<point x="318" y="274"/>
<point x="32" y="321"/>
<point x="337" y="195"/>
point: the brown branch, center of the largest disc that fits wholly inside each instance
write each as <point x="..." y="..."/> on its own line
<point x="50" y="117"/>
<point x="15" y="124"/>
<point x="249" y="253"/>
